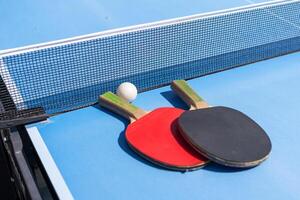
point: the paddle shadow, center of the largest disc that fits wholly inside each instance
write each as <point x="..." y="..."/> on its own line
<point x="174" y="100"/>
<point x="125" y="147"/>
<point x="214" y="167"/>
<point x="123" y="143"/>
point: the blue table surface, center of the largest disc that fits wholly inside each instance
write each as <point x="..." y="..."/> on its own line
<point x="89" y="149"/>
<point x="34" y="21"/>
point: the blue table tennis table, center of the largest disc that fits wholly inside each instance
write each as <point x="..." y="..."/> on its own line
<point x="83" y="151"/>
<point x="86" y="153"/>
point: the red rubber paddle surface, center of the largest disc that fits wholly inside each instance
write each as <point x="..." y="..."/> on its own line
<point x="157" y="137"/>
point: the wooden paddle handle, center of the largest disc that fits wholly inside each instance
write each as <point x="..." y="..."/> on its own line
<point x="118" y="105"/>
<point x="188" y="95"/>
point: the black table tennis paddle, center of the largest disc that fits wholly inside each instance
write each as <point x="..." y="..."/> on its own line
<point x="223" y="135"/>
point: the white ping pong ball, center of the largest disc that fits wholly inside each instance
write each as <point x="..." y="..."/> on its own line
<point x="127" y="91"/>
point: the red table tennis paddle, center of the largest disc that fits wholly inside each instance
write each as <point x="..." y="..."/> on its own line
<point x="223" y="135"/>
<point x="154" y="135"/>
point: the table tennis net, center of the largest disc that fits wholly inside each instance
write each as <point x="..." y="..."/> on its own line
<point x="72" y="73"/>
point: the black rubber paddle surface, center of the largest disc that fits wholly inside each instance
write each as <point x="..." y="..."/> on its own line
<point x="225" y="136"/>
